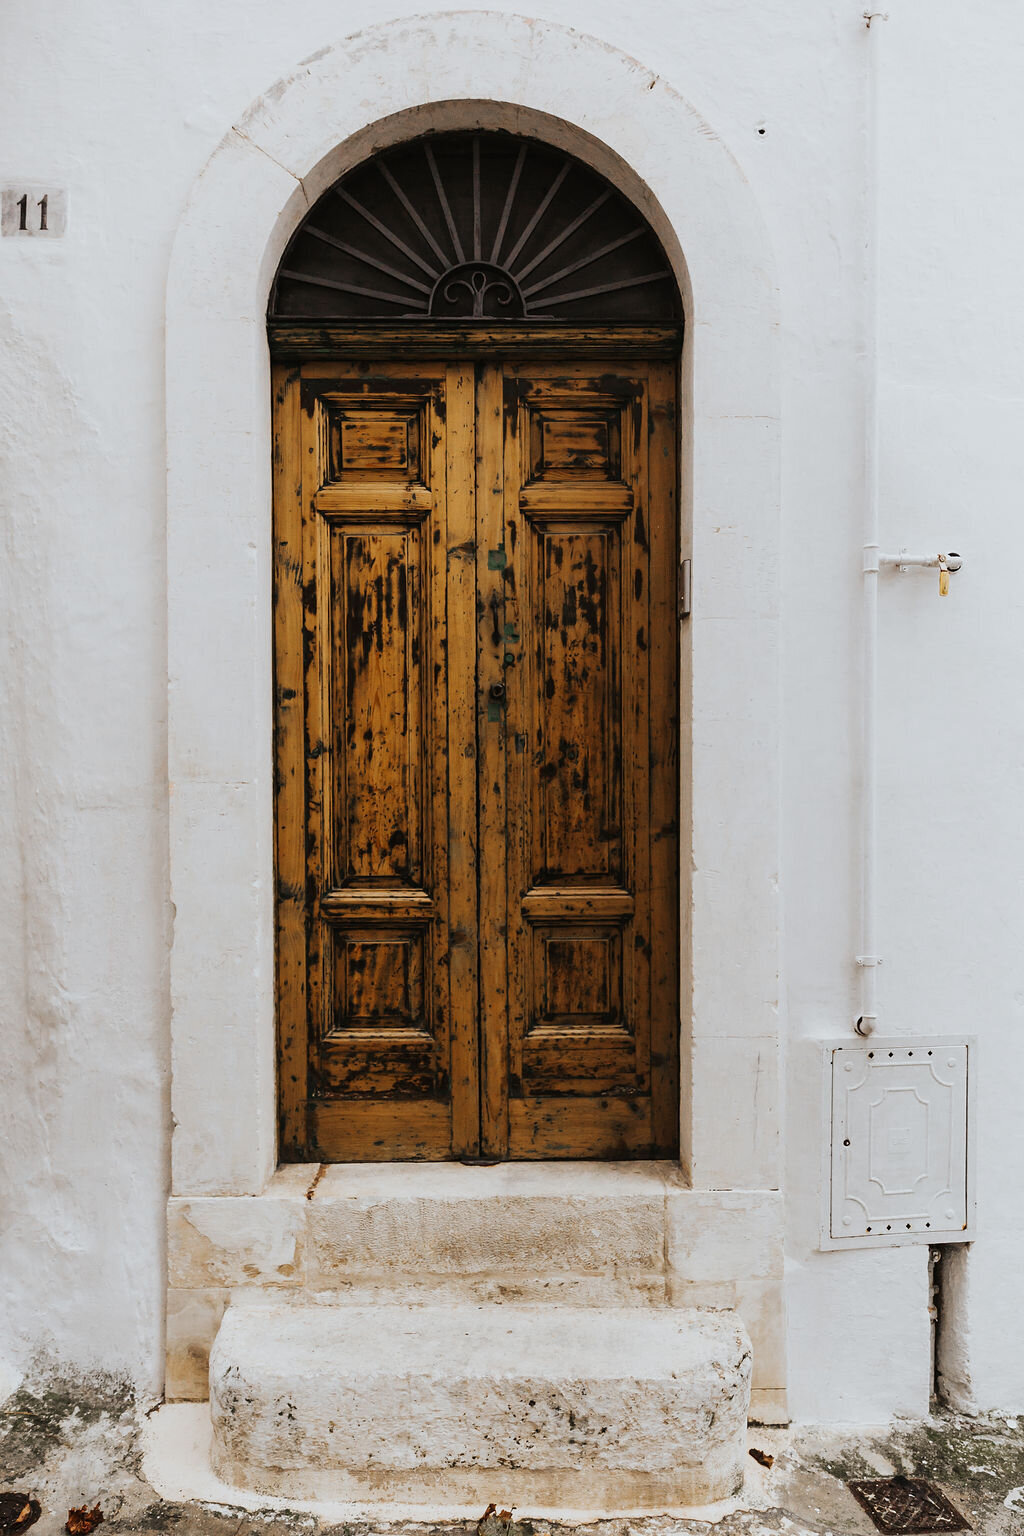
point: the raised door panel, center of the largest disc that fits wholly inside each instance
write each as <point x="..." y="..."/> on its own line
<point x="576" y="782"/>
<point x="379" y="639"/>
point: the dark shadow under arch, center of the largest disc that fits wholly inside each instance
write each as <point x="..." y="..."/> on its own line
<point x="475" y="226"/>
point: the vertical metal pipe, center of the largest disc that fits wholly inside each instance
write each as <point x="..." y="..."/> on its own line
<point x="868" y="958"/>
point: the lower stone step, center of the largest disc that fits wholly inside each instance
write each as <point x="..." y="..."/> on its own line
<point x="544" y="1407"/>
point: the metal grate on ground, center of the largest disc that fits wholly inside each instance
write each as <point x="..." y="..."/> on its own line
<point x="907" y="1506"/>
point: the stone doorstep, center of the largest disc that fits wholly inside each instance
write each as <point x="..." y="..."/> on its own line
<point x="589" y="1408"/>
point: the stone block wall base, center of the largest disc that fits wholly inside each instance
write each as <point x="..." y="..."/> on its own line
<point x="590" y="1408"/>
<point x="768" y="1406"/>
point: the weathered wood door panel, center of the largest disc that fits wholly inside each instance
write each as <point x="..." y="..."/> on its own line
<point x="377" y="1024"/>
<point x="477" y="725"/>
<point x="587" y="745"/>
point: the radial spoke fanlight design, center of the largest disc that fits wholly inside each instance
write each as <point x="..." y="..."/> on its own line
<point x="481" y="226"/>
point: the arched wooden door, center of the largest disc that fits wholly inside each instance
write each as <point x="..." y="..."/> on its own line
<point x="476" y="662"/>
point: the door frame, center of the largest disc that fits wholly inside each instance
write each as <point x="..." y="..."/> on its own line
<point x="449" y="349"/>
<point x="390" y="82"/>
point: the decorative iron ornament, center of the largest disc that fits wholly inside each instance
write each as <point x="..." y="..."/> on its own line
<point x="907" y="1506"/>
<point x="488" y="290"/>
<point x="482" y="226"/>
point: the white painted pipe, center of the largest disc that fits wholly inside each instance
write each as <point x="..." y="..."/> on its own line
<point x="868" y="958"/>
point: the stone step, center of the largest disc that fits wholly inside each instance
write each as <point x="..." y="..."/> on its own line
<point x="538" y="1406"/>
<point x="594" y="1229"/>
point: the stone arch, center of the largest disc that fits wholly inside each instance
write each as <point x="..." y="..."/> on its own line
<point x="462" y="70"/>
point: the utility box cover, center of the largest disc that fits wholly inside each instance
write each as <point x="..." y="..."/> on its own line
<point x="900" y="1165"/>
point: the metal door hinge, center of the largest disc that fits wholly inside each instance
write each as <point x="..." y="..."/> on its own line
<point x="684" y="589"/>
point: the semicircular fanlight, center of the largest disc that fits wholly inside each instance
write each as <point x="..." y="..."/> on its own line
<point x="483" y="226"/>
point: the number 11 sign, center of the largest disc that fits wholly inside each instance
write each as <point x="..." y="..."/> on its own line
<point x="33" y="210"/>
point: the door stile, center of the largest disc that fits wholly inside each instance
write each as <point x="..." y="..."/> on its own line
<point x="666" y="790"/>
<point x="522" y="736"/>
<point x="290" y="810"/>
<point x="460" y="647"/>
<point x="317" y="745"/>
<point x="637" y="613"/>
<point x="491" y="564"/>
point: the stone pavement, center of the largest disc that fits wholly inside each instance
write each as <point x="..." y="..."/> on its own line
<point x="70" y="1444"/>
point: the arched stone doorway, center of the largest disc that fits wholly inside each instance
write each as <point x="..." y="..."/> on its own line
<point x="476" y="532"/>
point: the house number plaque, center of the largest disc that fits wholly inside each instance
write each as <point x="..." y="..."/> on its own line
<point x="28" y="209"/>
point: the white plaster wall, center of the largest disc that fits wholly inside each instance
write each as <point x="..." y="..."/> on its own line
<point x="124" y="105"/>
<point x="954" y="750"/>
<point x="951" y="739"/>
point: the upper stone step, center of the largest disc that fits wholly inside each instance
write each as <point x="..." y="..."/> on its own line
<point x="590" y="1409"/>
<point x="536" y="1224"/>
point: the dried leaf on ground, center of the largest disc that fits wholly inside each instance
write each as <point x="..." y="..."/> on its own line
<point x="762" y="1457"/>
<point x="17" y="1513"/>
<point x="83" y="1520"/>
<point x="499" y="1522"/>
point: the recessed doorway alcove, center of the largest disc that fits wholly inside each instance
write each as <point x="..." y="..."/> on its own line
<point x="476" y="343"/>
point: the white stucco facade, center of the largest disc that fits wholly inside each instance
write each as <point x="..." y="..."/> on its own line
<point x="136" y="918"/>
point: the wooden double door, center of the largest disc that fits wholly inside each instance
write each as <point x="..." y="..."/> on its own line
<point x="477" y="787"/>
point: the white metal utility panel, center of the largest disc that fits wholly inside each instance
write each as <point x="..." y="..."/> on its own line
<point x="900" y="1165"/>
